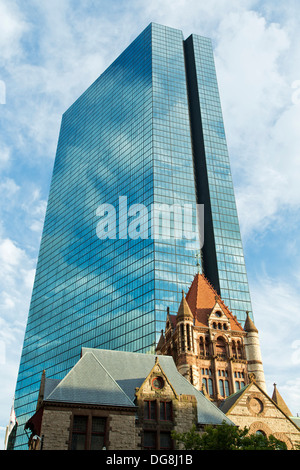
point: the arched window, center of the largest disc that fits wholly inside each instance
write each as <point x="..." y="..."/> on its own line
<point x="221" y="347"/>
<point x="210" y="387"/>
<point x="221" y="388"/>
<point x="188" y="337"/>
<point x="233" y="349"/>
<point x="201" y="345"/>
<point x="206" y="346"/>
<point x="182" y="337"/>
<point x="239" y="349"/>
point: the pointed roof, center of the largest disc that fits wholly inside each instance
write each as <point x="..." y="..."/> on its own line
<point x="202" y="298"/>
<point x="184" y="311"/>
<point x="89" y="382"/>
<point x="249" y="325"/>
<point x="277" y="398"/>
<point x="229" y="403"/>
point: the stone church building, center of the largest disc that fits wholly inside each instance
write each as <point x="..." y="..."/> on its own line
<point x="209" y="346"/>
<point x="207" y="370"/>
<point x="222" y="359"/>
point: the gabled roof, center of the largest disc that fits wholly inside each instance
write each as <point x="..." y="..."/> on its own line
<point x="89" y="382"/>
<point x="227" y="405"/>
<point x="157" y="370"/>
<point x="230" y="401"/>
<point x="129" y="370"/>
<point x="202" y="298"/>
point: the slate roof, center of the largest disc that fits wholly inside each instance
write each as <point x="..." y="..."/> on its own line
<point x="232" y="399"/>
<point x="129" y="370"/>
<point x="107" y="377"/>
<point x="89" y="382"/>
<point x="296" y="420"/>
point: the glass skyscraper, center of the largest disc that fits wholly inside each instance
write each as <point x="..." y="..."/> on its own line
<point x="148" y="131"/>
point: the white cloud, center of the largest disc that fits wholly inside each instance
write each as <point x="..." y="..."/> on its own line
<point x="5" y="155"/>
<point x="275" y="305"/>
<point x="34" y="209"/>
<point x="10" y="254"/>
<point x="16" y="280"/>
<point x="52" y="51"/>
<point x="261" y="116"/>
<point x="12" y="27"/>
<point x="8" y="188"/>
<point x="17" y="271"/>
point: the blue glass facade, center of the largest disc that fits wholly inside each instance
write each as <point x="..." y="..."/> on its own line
<point x="223" y="260"/>
<point x="126" y="142"/>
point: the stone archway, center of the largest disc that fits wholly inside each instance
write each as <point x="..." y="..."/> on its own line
<point x="259" y="426"/>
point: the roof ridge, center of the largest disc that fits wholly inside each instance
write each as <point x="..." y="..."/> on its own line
<point x="202" y="282"/>
<point x="197" y="290"/>
<point x="64" y="378"/>
<point x="104" y="368"/>
<point x="78" y="364"/>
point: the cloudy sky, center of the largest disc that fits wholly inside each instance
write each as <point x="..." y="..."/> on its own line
<point x="52" y="50"/>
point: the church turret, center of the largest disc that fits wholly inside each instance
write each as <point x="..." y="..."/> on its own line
<point x="186" y="363"/>
<point x="253" y="353"/>
<point x="184" y="321"/>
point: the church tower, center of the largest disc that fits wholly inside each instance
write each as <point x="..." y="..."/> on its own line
<point x="253" y="353"/>
<point x="209" y="346"/>
<point x="186" y="351"/>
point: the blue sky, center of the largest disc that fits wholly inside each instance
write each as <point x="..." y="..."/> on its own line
<point x="51" y="51"/>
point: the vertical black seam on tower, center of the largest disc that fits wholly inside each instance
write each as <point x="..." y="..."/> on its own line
<point x="209" y="257"/>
